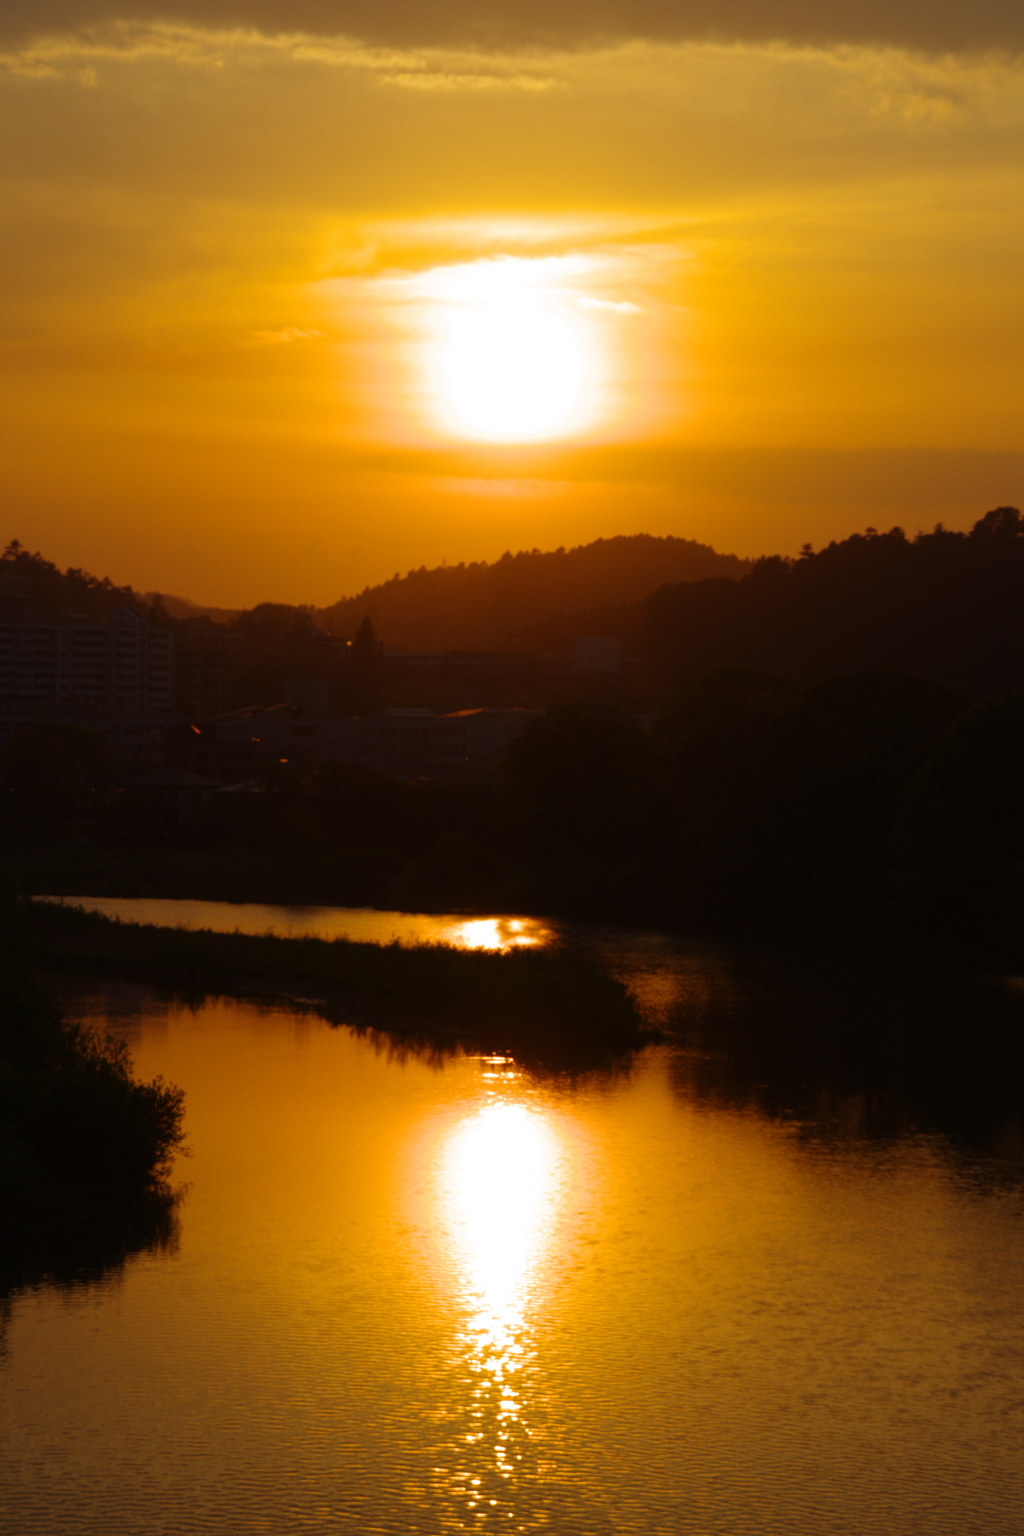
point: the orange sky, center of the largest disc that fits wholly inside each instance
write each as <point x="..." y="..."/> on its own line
<point x="260" y="269"/>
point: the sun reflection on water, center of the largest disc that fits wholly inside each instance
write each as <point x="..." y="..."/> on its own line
<point x="500" y="1181"/>
<point x="500" y="933"/>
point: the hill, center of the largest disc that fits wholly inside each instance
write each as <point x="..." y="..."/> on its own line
<point x="945" y="605"/>
<point x="33" y="587"/>
<point x="494" y="605"/>
<point x="184" y="608"/>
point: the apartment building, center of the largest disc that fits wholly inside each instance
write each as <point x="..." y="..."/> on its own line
<point x="75" y="665"/>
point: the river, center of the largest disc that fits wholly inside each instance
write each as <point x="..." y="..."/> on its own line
<point x="723" y="1288"/>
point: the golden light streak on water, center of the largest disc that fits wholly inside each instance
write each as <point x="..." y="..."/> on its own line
<point x="500" y="1182"/>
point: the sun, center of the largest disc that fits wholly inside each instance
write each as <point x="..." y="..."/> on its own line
<point x="510" y="358"/>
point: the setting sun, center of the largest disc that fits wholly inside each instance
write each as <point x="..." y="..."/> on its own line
<point x="511" y="357"/>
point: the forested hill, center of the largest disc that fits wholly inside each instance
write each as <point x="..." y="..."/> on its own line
<point x="457" y="607"/>
<point x="945" y="605"/>
<point x="33" y="587"/>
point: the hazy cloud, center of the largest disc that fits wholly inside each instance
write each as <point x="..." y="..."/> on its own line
<point x="929" y="24"/>
<point x="286" y="334"/>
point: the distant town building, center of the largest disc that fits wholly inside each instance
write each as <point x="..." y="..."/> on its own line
<point x="310" y="694"/>
<point x="168" y="798"/>
<point x="121" y="667"/>
<point x="116" y="678"/>
<point x="475" y="667"/>
<point x="401" y="743"/>
<point x="200" y="655"/>
<point x="406" y="743"/>
<point x="598" y="653"/>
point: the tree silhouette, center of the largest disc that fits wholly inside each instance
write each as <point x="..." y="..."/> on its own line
<point x="582" y="780"/>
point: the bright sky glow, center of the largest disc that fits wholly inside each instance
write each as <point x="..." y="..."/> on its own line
<point x="513" y="355"/>
<point x="277" y="368"/>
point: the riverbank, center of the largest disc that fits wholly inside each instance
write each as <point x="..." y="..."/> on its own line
<point x="553" y="1000"/>
<point x="85" y="1148"/>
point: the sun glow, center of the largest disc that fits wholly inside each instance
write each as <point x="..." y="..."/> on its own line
<point x="513" y="355"/>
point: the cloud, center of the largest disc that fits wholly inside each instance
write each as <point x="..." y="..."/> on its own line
<point x="121" y="44"/>
<point x="661" y="104"/>
<point x="935" y="25"/>
<point x="287" y="334"/>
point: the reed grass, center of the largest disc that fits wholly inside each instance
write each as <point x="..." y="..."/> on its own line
<point x="531" y="995"/>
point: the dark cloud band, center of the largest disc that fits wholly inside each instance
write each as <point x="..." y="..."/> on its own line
<point x="929" y="24"/>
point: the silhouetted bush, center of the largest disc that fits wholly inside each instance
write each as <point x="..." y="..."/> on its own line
<point x="791" y="814"/>
<point x="729" y="696"/>
<point x="582" y="780"/>
<point x="959" y="843"/>
<point x="77" y="1131"/>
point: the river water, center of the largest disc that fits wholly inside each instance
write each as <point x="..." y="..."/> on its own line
<point x="736" y="1285"/>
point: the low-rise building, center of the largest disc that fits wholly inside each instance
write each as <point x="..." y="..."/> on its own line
<point x="401" y="743"/>
<point x="410" y="743"/>
<point x="598" y="653"/>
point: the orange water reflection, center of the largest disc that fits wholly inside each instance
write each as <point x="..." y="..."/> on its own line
<point x="500" y="1181"/>
<point x="360" y="924"/>
<point x="499" y="933"/>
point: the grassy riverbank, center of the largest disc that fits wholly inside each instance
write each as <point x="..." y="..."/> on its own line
<point x="529" y="997"/>
<point x="85" y="1148"/>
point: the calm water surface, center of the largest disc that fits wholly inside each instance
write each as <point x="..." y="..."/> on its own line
<point x="415" y="1293"/>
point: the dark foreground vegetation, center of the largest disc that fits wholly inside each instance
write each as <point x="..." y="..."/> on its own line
<point x="85" y="1148"/>
<point x="538" y="1000"/>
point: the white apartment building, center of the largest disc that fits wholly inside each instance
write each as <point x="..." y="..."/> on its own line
<point x="121" y="667"/>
